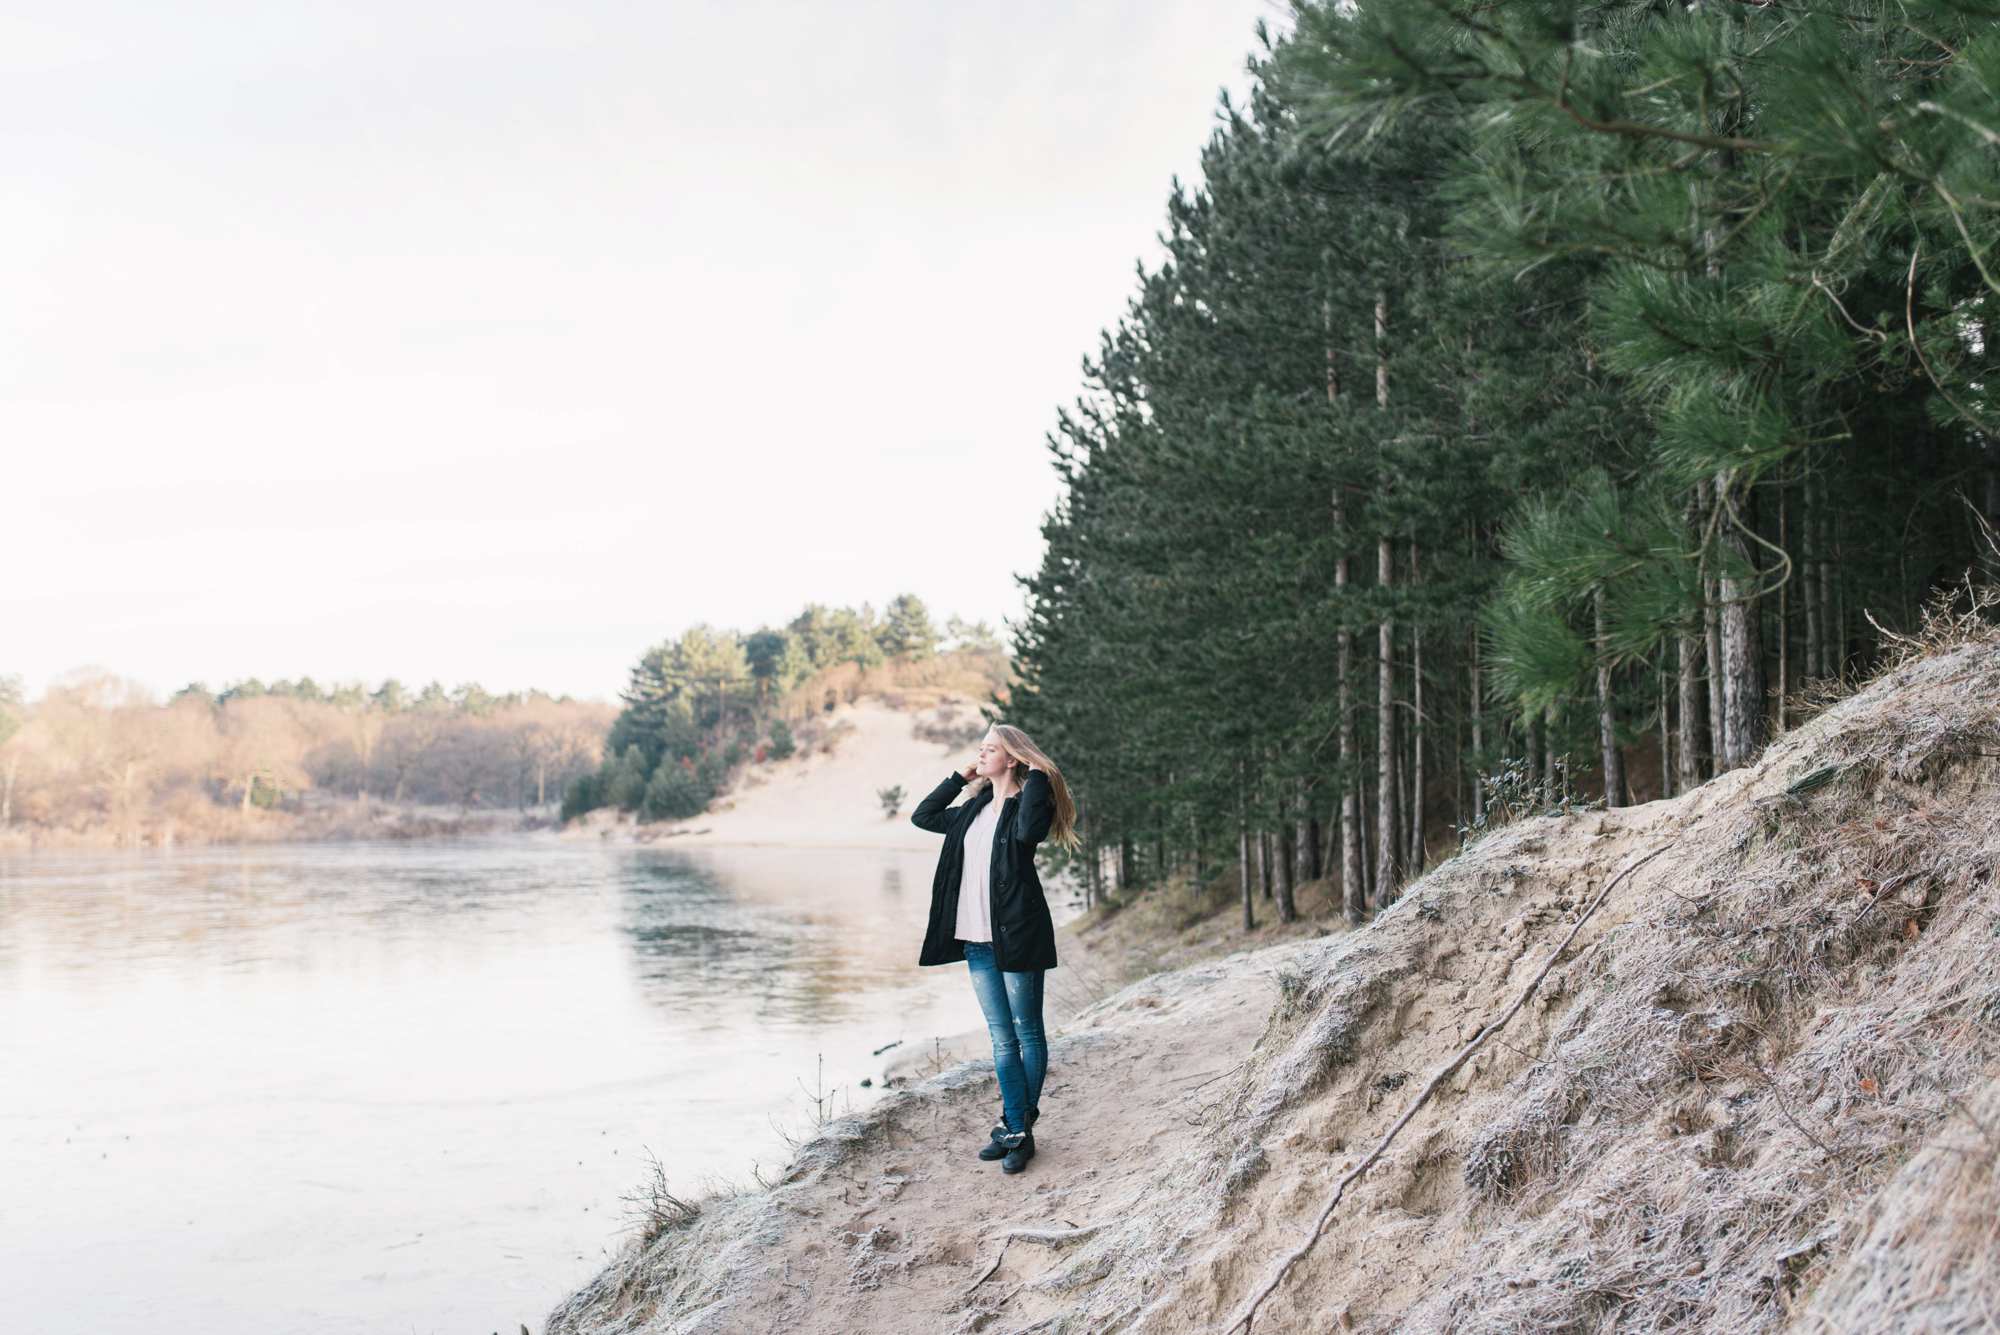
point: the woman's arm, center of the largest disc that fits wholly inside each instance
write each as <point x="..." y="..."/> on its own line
<point x="1036" y="809"/>
<point x="930" y="813"/>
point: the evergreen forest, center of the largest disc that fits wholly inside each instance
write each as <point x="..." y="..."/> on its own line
<point x="1532" y="403"/>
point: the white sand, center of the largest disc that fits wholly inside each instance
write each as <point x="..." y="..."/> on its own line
<point x="817" y="801"/>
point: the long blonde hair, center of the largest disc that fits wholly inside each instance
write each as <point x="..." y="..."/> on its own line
<point x="1062" y="829"/>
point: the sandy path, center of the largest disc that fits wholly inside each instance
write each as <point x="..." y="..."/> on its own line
<point x="897" y="1238"/>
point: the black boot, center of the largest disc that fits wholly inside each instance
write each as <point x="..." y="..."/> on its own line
<point x="1019" y="1153"/>
<point x="993" y="1149"/>
<point x="997" y="1146"/>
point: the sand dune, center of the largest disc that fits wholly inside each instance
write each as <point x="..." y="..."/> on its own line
<point x="818" y="801"/>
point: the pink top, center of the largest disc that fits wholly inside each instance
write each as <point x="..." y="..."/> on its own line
<point x="975" y="912"/>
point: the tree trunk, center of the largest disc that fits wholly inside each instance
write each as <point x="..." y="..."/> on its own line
<point x="1457" y="772"/>
<point x="1712" y="629"/>
<point x="1478" y="734"/>
<point x="1243" y="852"/>
<point x="1689" y="682"/>
<point x="1607" y="724"/>
<point x="1536" y="753"/>
<point x="1264" y="861"/>
<point x="1550" y="765"/>
<point x="1381" y="349"/>
<point x="1353" y="873"/>
<point x="1809" y="568"/>
<point x="1784" y="617"/>
<point x="1742" y="641"/>
<point x="1417" y="722"/>
<point x="1368" y="839"/>
<point x="1989" y="542"/>
<point x="1832" y="613"/>
<point x="1387" y="832"/>
<point x="1287" y="864"/>
<point x="1666" y="740"/>
<point x="1353" y="869"/>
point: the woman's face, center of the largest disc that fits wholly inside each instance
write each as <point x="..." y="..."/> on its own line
<point x="993" y="757"/>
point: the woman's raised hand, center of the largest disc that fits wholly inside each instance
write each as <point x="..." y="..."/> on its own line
<point x="969" y="772"/>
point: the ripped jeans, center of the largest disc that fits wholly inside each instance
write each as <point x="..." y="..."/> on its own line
<point x="1012" y="1003"/>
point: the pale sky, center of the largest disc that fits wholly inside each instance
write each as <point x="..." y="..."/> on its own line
<point x="498" y="342"/>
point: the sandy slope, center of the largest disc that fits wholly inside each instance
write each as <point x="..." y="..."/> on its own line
<point x="817" y="801"/>
<point x="1753" y="1091"/>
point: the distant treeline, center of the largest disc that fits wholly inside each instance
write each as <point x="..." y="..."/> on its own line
<point x="98" y="754"/>
<point x="700" y="706"/>
<point x="1533" y="398"/>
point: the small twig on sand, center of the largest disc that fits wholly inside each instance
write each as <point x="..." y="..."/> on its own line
<point x="1048" y="1237"/>
<point x="1214" y="1076"/>
<point x="1786" y="1109"/>
<point x="1890" y="886"/>
<point x="1464" y="1054"/>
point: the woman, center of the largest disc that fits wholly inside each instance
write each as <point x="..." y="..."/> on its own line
<point x="987" y="908"/>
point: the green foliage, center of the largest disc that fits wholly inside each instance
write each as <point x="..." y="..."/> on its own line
<point x="583" y="794"/>
<point x="908" y="630"/>
<point x="625" y="780"/>
<point x="1538" y="655"/>
<point x="678" y="790"/>
<point x="782" y="743"/>
<point x="830" y="636"/>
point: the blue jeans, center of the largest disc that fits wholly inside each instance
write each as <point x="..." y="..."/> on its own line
<point x="1012" y="1003"/>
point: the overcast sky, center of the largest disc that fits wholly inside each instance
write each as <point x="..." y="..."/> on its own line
<point x="497" y="342"/>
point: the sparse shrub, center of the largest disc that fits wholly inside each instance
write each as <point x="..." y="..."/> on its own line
<point x="1291" y="983"/>
<point x="654" y="1209"/>
<point x="1515" y="791"/>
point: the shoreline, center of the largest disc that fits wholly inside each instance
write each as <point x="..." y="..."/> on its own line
<point x="322" y="825"/>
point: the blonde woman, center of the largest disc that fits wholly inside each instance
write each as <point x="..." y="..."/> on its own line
<point x="988" y="909"/>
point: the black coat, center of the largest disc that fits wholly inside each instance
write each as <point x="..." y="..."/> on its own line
<point x="1024" y="937"/>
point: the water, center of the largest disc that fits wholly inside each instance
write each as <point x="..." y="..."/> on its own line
<point x="402" y="1088"/>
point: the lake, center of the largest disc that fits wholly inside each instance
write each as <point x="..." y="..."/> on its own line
<point x="405" y="1087"/>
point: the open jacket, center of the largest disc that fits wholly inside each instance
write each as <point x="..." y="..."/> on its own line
<point x="1024" y="937"/>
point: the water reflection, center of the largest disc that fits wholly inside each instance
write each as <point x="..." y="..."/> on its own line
<point x="791" y="934"/>
<point x="380" y="1086"/>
